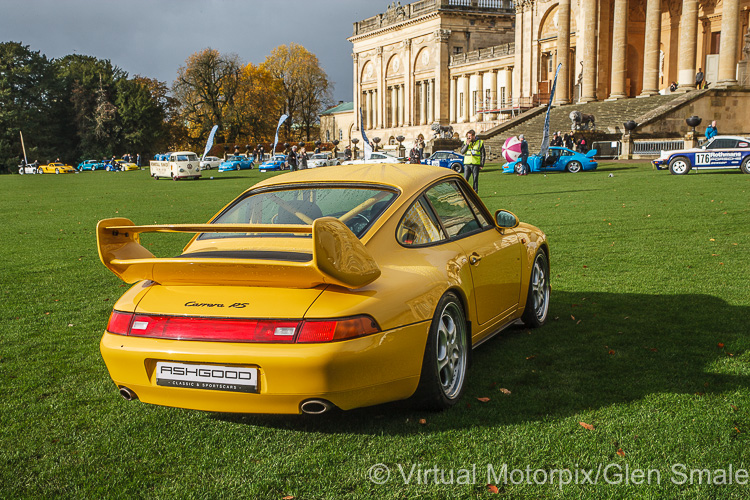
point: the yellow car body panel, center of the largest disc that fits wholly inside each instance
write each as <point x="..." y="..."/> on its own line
<point x="401" y="297"/>
<point x="56" y="168"/>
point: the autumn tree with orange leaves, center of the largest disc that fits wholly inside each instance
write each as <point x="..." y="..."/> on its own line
<point x="305" y="88"/>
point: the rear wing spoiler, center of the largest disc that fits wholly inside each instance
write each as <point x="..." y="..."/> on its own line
<point x="338" y="257"/>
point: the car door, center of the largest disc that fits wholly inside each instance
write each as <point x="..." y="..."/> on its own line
<point x="494" y="256"/>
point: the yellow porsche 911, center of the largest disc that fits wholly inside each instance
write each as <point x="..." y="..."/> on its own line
<point x="55" y="168"/>
<point x="338" y="287"/>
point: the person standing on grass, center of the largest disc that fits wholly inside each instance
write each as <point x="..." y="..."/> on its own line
<point x="711" y="130"/>
<point x="291" y="159"/>
<point x="523" y="162"/>
<point x="474" y="157"/>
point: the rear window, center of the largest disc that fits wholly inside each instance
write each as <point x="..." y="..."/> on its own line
<point x="356" y="206"/>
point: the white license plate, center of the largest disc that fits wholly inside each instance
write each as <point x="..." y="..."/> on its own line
<point x="211" y="377"/>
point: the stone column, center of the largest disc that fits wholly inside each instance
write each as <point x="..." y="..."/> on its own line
<point x="394" y="106"/>
<point x="620" y="51"/>
<point x="441" y="82"/>
<point x="423" y="103"/>
<point x="453" y="100"/>
<point x="467" y="99"/>
<point x="357" y="92"/>
<point x="562" y="94"/>
<point x="518" y="54"/>
<point x="370" y="111"/>
<point x="401" y="110"/>
<point x="688" y="43"/>
<point x="588" y="92"/>
<point x="380" y="94"/>
<point x="493" y="94"/>
<point x="430" y="100"/>
<point x="408" y="89"/>
<point x="651" y="49"/>
<point x="730" y="21"/>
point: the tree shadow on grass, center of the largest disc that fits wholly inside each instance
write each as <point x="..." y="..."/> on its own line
<point x="596" y="350"/>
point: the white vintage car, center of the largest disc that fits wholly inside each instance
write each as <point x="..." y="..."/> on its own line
<point x="210" y="162"/>
<point x="376" y="158"/>
<point x="322" y="160"/>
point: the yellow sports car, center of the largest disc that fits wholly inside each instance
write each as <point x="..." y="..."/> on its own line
<point x="332" y="287"/>
<point x="55" y="168"/>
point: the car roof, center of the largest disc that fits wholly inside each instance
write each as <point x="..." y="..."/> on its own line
<point x="735" y="137"/>
<point x="408" y="178"/>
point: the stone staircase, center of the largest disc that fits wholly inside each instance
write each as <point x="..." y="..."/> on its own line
<point x="609" y="116"/>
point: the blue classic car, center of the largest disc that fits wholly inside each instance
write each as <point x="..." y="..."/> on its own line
<point x="236" y="162"/>
<point x="277" y="162"/>
<point x="90" y="165"/>
<point x="558" y="160"/>
<point x="719" y="152"/>
<point x="447" y="159"/>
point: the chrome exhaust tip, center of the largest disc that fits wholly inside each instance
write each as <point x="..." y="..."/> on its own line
<point x="315" y="406"/>
<point x="127" y="394"/>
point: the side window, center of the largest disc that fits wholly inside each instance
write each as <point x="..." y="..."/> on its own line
<point x="418" y="227"/>
<point x="452" y="209"/>
<point x="722" y="144"/>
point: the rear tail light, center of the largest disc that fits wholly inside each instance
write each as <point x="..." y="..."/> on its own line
<point x="240" y="330"/>
<point x="339" y="329"/>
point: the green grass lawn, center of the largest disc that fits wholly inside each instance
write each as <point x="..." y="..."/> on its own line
<point x="647" y="341"/>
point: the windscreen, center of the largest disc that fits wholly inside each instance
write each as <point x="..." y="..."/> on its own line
<point x="357" y="207"/>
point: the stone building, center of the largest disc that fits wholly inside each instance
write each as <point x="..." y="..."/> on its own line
<point x="477" y="63"/>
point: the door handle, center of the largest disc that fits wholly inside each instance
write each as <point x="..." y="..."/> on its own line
<point x="474" y="258"/>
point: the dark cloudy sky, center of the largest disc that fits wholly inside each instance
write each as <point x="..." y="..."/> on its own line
<point x="154" y="37"/>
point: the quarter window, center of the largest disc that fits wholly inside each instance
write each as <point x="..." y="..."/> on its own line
<point x="418" y="227"/>
<point x="452" y="209"/>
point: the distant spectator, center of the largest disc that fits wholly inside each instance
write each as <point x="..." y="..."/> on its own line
<point x="711" y="130"/>
<point x="568" y="141"/>
<point x="138" y="160"/>
<point x="699" y="79"/>
<point x="302" y="158"/>
<point x="291" y="159"/>
<point x="347" y="153"/>
<point x="673" y="87"/>
<point x="415" y="155"/>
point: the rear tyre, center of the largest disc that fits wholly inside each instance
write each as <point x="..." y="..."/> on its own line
<point x="457" y="167"/>
<point x="573" y="167"/>
<point x="441" y="383"/>
<point x="679" y="165"/>
<point x="537" y="300"/>
<point x="745" y="167"/>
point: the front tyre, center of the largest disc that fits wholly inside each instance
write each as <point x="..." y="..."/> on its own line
<point x="679" y="165"/>
<point x="457" y="167"/>
<point x="537" y="300"/>
<point x="573" y="167"/>
<point x="745" y="167"/>
<point x="441" y="383"/>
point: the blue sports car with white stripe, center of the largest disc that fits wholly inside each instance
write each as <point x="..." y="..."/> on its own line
<point x="447" y="159"/>
<point x="719" y="152"/>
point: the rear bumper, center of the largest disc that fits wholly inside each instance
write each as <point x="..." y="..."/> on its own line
<point x="350" y="374"/>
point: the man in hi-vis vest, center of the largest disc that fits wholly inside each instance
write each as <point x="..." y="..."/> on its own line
<point x="474" y="156"/>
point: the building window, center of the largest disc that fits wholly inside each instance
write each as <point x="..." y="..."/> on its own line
<point x="502" y="97"/>
<point x="474" y="98"/>
<point x="458" y="50"/>
<point x="341" y="135"/>
<point x="328" y="136"/>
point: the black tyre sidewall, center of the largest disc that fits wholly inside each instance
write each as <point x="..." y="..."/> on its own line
<point x="529" y="317"/>
<point x="429" y="394"/>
